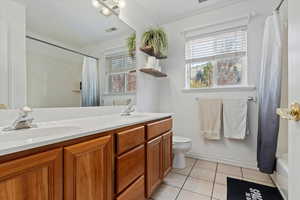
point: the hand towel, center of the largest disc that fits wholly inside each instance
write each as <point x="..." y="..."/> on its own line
<point x="210" y="118"/>
<point x="235" y="119"/>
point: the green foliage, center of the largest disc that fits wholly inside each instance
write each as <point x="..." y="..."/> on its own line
<point x="157" y="39"/>
<point x="131" y="44"/>
<point x="202" y="76"/>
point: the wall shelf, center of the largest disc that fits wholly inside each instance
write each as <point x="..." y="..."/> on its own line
<point x="76" y="91"/>
<point x="150" y="52"/>
<point x="153" y="72"/>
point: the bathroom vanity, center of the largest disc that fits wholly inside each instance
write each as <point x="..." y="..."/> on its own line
<point x="122" y="158"/>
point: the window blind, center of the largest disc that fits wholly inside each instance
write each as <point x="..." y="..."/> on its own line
<point x="121" y="63"/>
<point x="218" y="45"/>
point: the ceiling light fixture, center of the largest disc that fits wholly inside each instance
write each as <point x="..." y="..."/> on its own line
<point x="96" y="3"/>
<point x="105" y="11"/>
<point x="107" y="7"/>
<point x="122" y="3"/>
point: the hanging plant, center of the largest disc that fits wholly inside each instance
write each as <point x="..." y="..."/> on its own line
<point x="131" y="44"/>
<point x="155" y="38"/>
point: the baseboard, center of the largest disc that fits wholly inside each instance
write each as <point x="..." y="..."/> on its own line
<point x="215" y="158"/>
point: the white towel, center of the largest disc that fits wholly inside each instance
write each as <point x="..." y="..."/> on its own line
<point x="235" y="118"/>
<point x="210" y="118"/>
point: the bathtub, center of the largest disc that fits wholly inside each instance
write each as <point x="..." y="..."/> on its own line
<point x="281" y="175"/>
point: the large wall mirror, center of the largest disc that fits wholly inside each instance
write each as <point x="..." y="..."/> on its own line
<point x="77" y="55"/>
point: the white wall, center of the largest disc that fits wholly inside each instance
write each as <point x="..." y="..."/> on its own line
<point x="12" y="64"/>
<point x="53" y="75"/>
<point x="101" y="50"/>
<point x="173" y="99"/>
<point x="148" y="87"/>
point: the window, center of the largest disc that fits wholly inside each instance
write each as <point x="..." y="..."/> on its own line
<point x="217" y="59"/>
<point x="120" y="78"/>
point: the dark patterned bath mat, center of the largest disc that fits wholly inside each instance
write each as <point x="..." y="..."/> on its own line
<point x="244" y="190"/>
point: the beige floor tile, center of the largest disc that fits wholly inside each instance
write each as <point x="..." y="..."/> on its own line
<point x="220" y="192"/>
<point x="204" y="174"/>
<point x="187" y="195"/>
<point x="271" y="184"/>
<point x="176" y="180"/>
<point x="198" y="186"/>
<point x="190" y="161"/>
<point x="229" y="169"/>
<point x="222" y="178"/>
<point x="165" y="192"/>
<point x="184" y="171"/>
<point x="256" y="175"/>
<point x="206" y="164"/>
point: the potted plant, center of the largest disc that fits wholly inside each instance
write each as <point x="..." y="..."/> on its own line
<point x="131" y="44"/>
<point x="155" y="41"/>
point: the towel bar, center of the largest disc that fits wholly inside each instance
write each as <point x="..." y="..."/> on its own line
<point x="253" y="99"/>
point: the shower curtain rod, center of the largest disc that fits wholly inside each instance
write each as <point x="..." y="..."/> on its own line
<point x="60" y="47"/>
<point x="279" y="6"/>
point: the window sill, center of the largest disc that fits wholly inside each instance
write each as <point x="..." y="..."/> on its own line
<point x="221" y="89"/>
<point x="119" y="94"/>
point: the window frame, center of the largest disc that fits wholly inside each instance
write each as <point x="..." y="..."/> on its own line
<point x="214" y="59"/>
<point x="109" y="71"/>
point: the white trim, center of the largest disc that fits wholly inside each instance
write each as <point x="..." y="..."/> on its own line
<point x="220" y="89"/>
<point x="119" y="94"/>
<point x="216" y="158"/>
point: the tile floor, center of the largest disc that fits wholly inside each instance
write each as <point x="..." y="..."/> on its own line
<point x="204" y="180"/>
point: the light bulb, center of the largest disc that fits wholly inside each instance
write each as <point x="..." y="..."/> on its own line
<point x="106" y="11"/>
<point x="96" y="3"/>
<point x="122" y="3"/>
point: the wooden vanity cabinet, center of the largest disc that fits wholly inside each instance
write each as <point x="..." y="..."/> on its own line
<point x="124" y="164"/>
<point x="159" y="154"/>
<point x="167" y="153"/>
<point x="35" y="177"/>
<point x="88" y="170"/>
<point x="154" y="164"/>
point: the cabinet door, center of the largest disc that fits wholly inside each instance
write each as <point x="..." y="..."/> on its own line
<point x="36" y="177"/>
<point x="167" y="153"/>
<point x="88" y="170"/>
<point x="154" y="164"/>
<point x="134" y="192"/>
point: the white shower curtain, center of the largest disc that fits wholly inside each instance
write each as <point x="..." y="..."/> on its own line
<point x="89" y="92"/>
<point x="269" y="94"/>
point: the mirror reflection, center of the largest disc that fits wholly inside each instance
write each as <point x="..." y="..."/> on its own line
<point x="78" y="60"/>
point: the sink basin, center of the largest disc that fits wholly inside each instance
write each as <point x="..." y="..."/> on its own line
<point x="40" y="130"/>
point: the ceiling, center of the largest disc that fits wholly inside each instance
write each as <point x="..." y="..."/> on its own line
<point x="73" y="22"/>
<point x="172" y="10"/>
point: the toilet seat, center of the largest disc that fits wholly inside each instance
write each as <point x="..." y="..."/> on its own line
<point x="179" y="139"/>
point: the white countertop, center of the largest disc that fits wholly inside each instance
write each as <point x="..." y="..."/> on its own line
<point x="58" y="131"/>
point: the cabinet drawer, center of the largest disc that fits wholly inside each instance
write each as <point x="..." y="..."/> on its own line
<point x="157" y="128"/>
<point x="134" y="192"/>
<point x="130" y="166"/>
<point x="129" y="139"/>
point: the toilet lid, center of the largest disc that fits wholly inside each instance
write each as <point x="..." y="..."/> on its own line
<point x="178" y="139"/>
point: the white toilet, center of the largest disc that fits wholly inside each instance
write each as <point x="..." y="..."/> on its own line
<point x="181" y="146"/>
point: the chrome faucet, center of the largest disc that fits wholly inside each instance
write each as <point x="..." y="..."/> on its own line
<point x="130" y="108"/>
<point x="24" y="121"/>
